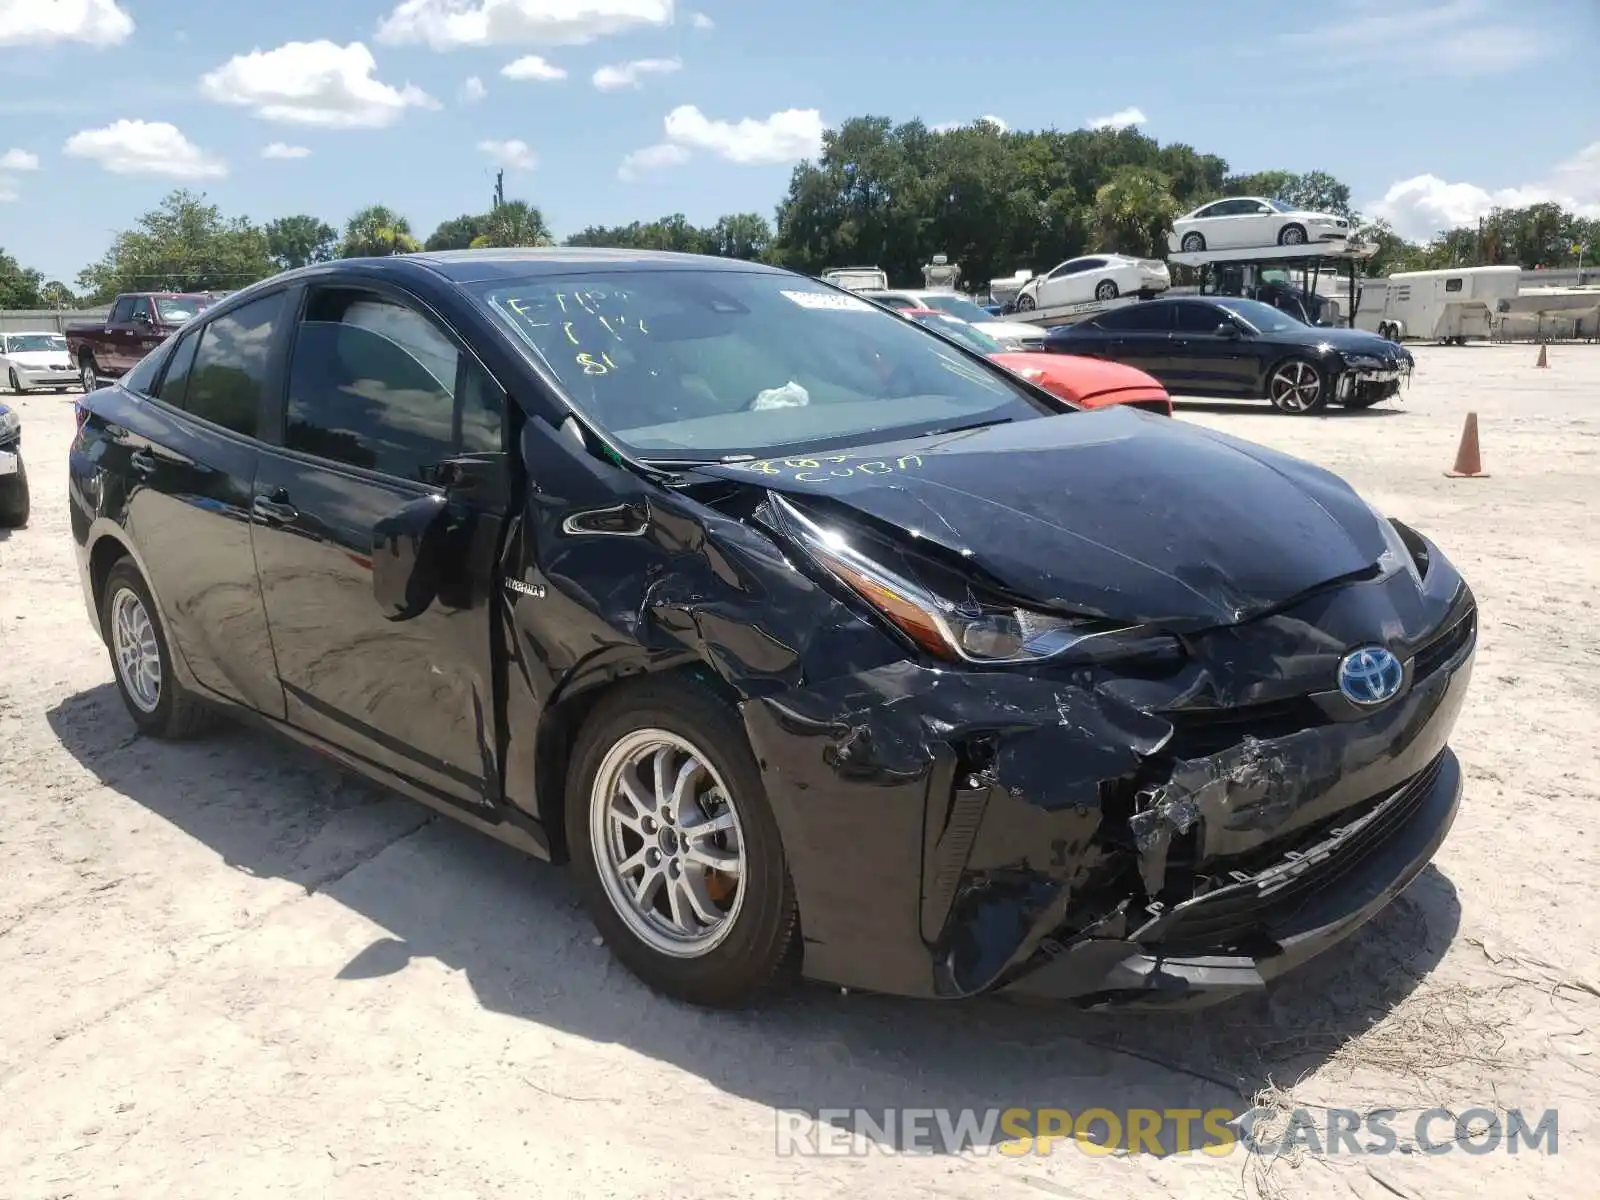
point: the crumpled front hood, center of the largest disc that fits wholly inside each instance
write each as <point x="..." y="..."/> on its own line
<point x="1355" y="341"/>
<point x="1113" y="512"/>
<point x="40" y="359"/>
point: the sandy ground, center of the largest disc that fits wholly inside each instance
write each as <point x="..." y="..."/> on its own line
<point x="228" y="970"/>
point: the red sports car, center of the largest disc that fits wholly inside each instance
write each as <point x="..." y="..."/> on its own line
<point x="1089" y="382"/>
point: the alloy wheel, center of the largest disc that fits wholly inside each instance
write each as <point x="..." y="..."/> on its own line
<point x="87" y="378"/>
<point x="1193" y="243"/>
<point x="1106" y="290"/>
<point x="1293" y="236"/>
<point x="1295" y="387"/>
<point x="133" y="642"/>
<point x="668" y="843"/>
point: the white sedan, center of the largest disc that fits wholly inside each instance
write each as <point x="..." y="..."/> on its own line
<point x="1094" y="277"/>
<point x="1242" y="222"/>
<point x="36" y="360"/>
<point x="1012" y="335"/>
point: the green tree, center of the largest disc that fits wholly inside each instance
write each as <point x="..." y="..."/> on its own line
<point x="376" y="231"/>
<point x="19" y="285"/>
<point x="300" y="240"/>
<point x="457" y="233"/>
<point x="514" y="223"/>
<point x="741" y="235"/>
<point x="56" y="294"/>
<point x="1133" y="211"/>
<point x="184" y="244"/>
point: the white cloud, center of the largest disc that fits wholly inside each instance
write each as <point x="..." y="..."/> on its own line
<point x="144" y="148"/>
<point x="313" y="83"/>
<point x="445" y="24"/>
<point x="651" y="158"/>
<point x="1422" y="206"/>
<point x="631" y="74"/>
<point x="1461" y="37"/>
<point x="19" y="160"/>
<point x="284" y="150"/>
<point x="531" y="66"/>
<point x="952" y="126"/>
<point x="472" y="90"/>
<point x="783" y="137"/>
<point x="1123" y="118"/>
<point x="700" y="21"/>
<point x="514" y="155"/>
<point x="42" y="22"/>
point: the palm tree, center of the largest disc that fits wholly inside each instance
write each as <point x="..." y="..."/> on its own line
<point x="1134" y="209"/>
<point x="514" y="223"/>
<point x="376" y="231"/>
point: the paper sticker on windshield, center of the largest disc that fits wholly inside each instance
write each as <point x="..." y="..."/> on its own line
<point x="828" y="300"/>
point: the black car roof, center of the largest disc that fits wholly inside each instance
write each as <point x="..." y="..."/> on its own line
<point x="477" y="266"/>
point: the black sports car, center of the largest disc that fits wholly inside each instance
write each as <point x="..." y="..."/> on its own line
<point x="802" y="632"/>
<point x="1242" y="349"/>
<point x="13" y="474"/>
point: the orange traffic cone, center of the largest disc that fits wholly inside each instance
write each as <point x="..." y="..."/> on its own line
<point x="1544" y="358"/>
<point x="1468" y="463"/>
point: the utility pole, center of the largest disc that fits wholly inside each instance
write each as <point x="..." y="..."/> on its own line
<point x="499" y="187"/>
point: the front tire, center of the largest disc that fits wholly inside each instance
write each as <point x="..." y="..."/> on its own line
<point x="1297" y="386"/>
<point x="87" y="378"/>
<point x="1106" y="289"/>
<point x="675" y="851"/>
<point x="1193" y="243"/>
<point x="16" y="383"/>
<point x="1292" y="235"/>
<point x="141" y="660"/>
<point x="14" y="502"/>
<point x="1026" y="303"/>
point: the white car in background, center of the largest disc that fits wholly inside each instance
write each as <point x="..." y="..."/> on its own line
<point x="1241" y="222"/>
<point x="1012" y="335"/>
<point x="1094" y="277"/>
<point x="36" y="360"/>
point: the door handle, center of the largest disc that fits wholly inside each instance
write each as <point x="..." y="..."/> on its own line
<point x="143" y="462"/>
<point x="274" y="509"/>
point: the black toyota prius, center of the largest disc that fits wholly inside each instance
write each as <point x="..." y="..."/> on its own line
<point x="807" y="637"/>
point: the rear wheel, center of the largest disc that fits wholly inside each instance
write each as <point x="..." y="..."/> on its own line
<point x="1297" y="386"/>
<point x="675" y="850"/>
<point x="1292" y="235"/>
<point x="1106" y="289"/>
<point x="1193" y="243"/>
<point x="141" y="659"/>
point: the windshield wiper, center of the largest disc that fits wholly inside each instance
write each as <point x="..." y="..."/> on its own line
<point x="967" y="428"/>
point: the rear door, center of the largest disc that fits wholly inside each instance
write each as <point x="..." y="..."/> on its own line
<point x="115" y="349"/>
<point x="188" y="455"/>
<point x="1141" y="336"/>
<point x="384" y="406"/>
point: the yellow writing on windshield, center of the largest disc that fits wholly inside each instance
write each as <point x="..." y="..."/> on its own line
<point x="832" y="466"/>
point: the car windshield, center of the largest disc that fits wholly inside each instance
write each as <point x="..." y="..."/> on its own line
<point x="179" y="309"/>
<point x="1283" y="206"/>
<point x="709" y="365"/>
<point x="1263" y="318"/>
<point x="954" y="327"/>
<point x="956" y="306"/>
<point x="25" y="343"/>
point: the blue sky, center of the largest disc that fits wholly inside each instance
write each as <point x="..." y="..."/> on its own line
<point x="1431" y="109"/>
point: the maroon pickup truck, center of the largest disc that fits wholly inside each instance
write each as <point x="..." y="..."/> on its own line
<point x="137" y="324"/>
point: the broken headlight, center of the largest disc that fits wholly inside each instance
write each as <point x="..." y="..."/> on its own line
<point x="969" y="631"/>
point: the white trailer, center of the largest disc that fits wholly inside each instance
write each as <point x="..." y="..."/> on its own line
<point x="856" y="279"/>
<point x="1447" y="306"/>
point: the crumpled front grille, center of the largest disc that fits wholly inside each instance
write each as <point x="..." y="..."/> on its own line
<point x="1248" y="910"/>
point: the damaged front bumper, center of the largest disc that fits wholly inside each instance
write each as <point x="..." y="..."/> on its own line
<point x="952" y="833"/>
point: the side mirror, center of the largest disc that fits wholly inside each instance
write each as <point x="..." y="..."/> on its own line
<point x="141" y="318"/>
<point x="1228" y="330"/>
<point x="407" y="558"/>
